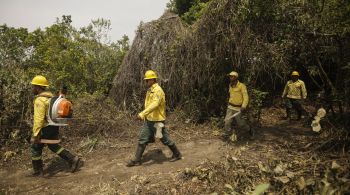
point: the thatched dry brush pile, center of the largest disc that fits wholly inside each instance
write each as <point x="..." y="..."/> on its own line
<point x="263" y="41"/>
<point x="193" y="62"/>
<point x="148" y="52"/>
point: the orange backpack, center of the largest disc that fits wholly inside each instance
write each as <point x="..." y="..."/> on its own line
<point x="60" y="109"/>
<point x="65" y="109"/>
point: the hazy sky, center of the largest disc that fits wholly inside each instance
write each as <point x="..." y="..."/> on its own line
<point x="125" y="15"/>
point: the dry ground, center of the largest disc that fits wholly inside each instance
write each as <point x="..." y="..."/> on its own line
<point x="104" y="170"/>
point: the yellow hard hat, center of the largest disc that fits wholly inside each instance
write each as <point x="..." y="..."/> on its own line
<point x="295" y="73"/>
<point x="150" y="74"/>
<point x="40" y="80"/>
<point x="233" y="73"/>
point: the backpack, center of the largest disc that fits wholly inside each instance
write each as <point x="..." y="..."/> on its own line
<point x="60" y="111"/>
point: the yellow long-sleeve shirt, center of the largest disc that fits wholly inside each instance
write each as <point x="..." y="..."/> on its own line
<point x="295" y="90"/>
<point x="154" y="104"/>
<point x="41" y="105"/>
<point x="238" y="96"/>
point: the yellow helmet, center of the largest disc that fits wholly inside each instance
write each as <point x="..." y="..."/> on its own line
<point x="233" y="73"/>
<point x="40" y="80"/>
<point x="150" y="74"/>
<point x="295" y="73"/>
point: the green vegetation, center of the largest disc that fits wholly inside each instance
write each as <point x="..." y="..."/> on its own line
<point x="189" y="10"/>
<point x="83" y="59"/>
<point x="192" y="52"/>
<point x="264" y="40"/>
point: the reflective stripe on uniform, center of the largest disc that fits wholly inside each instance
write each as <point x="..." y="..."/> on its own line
<point x="60" y="150"/>
<point x="36" y="157"/>
<point x="50" y="141"/>
<point x="294" y="97"/>
<point x="295" y="90"/>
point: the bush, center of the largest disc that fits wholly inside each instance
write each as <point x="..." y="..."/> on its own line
<point x="84" y="60"/>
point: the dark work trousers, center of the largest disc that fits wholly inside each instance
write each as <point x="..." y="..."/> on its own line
<point x="148" y="131"/>
<point x="297" y="105"/>
<point x="50" y="133"/>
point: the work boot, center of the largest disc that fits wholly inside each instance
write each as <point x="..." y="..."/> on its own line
<point x="176" y="153"/>
<point x="72" y="160"/>
<point x="251" y="133"/>
<point x="299" y="115"/>
<point x="75" y="164"/>
<point x="152" y="139"/>
<point x="137" y="160"/>
<point x="288" y="114"/>
<point x="38" y="168"/>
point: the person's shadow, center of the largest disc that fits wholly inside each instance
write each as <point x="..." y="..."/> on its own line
<point x="155" y="156"/>
<point x="57" y="165"/>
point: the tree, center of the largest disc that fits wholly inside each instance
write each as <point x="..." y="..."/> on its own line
<point x="85" y="60"/>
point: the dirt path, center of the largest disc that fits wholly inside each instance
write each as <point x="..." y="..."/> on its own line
<point x="104" y="171"/>
<point x="109" y="167"/>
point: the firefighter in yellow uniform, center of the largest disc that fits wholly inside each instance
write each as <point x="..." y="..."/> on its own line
<point x="153" y="113"/>
<point x="295" y="92"/>
<point x="44" y="133"/>
<point x="237" y="104"/>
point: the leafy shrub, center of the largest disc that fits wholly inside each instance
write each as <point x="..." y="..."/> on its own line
<point x="84" y="60"/>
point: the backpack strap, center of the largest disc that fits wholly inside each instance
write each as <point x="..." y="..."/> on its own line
<point x="52" y="101"/>
<point x="44" y="95"/>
